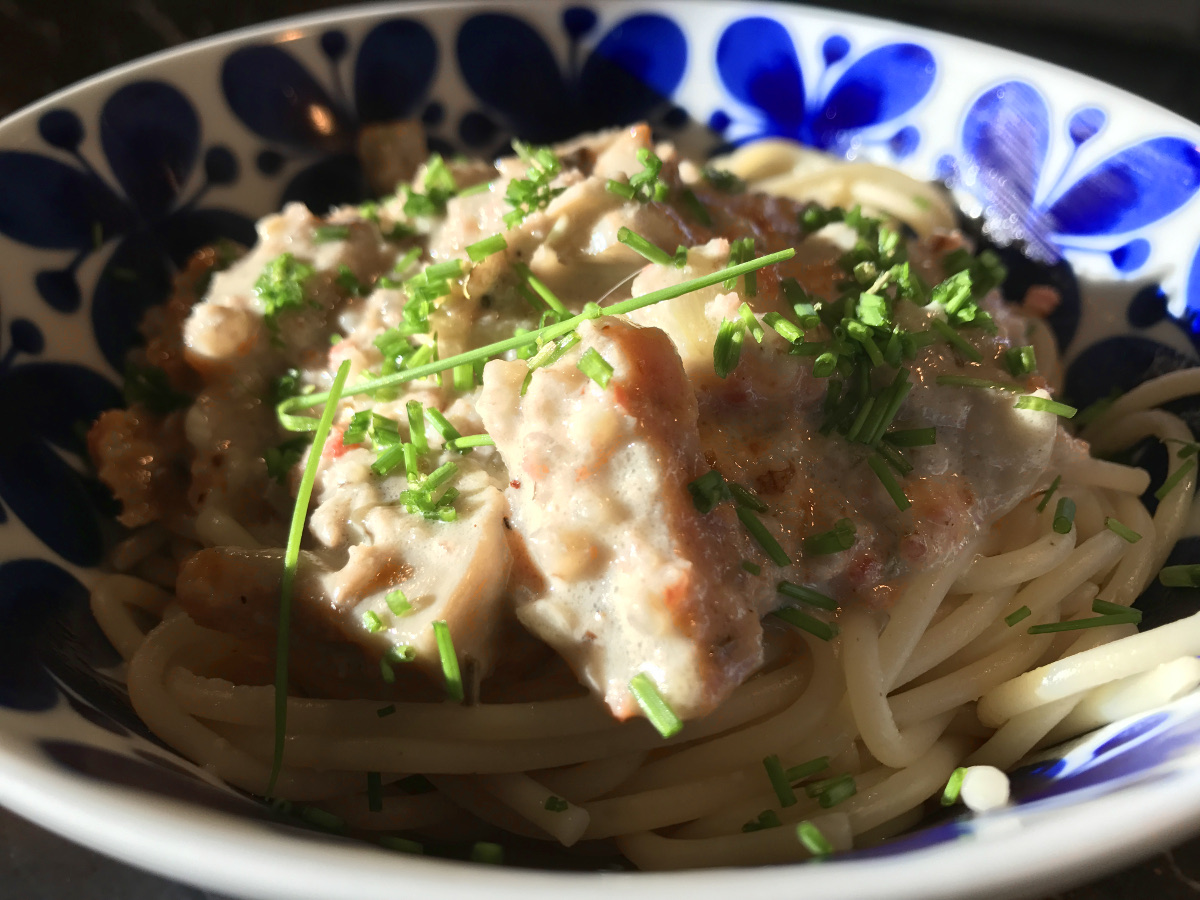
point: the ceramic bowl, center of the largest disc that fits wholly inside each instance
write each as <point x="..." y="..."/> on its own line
<point x="106" y="188"/>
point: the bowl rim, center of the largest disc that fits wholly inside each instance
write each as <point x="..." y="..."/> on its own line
<point x="118" y="821"/>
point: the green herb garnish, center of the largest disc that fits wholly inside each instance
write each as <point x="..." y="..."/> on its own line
<point x="595" y="367"/>
<point x="149" y="386"/>
<point x="654" y="707"/>
<point x="450" y="670"/>
<point x="779" y="781"/>
<point x="291" y="558"/>
<point x="292" y="422"/>
<point x="1018" y="615"/>
<point x="281" y="288"/>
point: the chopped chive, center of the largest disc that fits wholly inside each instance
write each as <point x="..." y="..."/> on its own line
<point x="372" y="622"/>
<point x="953" y="787"/>
<point x="386" y="672"/>
<point x="723" y="180"/>
<point x="450" y="670"/>
<point x="384" y="711"/>
<point x="374" y="792"/>
<point x="468" y="441"/>
<point x="1180" y="576"/>
<point x="322" y="819"/>
<point x="441" y="424"/>
<point x="955" y="340"/>
<point x="398" y="603"/>
<point x="416" y="426"/>
<point x="620" y="188"/>
<point x="472" y="189"/>
<point x="463" y="377"/>
<point x="805" y="769"/>
<point x="643" y="247"/>
<point x="1174" y="478"/>
<point x="412" y="471"/>
<point x="768" y="818"/>
<point x="967" y="381"/>
<point x="388" y="460"/>
<point x="912" y="437"/>
<point x="451" y="268"/>
<point x="751" y="323"/>
<point x="745" y="497"/>
<point x="1096" y="409"/>
<point x="1130" y="617"/>
<point x="398" y="232"/>
<point x="1020" y="360"/>
<point x="814" y="842"/>
<point x="837" y="790"/>
<point x="487" y="852"/>
<point x="727" y="348"/>
<point x="661" y="716"/>
<point x="785" y="329"/>
<point x="824" y="365"/>
<point x="812" y="789"/>
<point x="880" y="467"/>
<point x="556" y="804"/>
<point x="751" y="567"/>
<point x="548" y="355"/>
<point x="540" y="288"/>
<point x="1041" y="404"/>
<point x="1122" y="530"/>
<point x="763" y="537"/>
<point x="894" y="458"/>
<point x="698" y="210"/>
<point x="403" y="845"/>
<point x="324" y="234"/>
<point x="840" y="537"/>
<point x="1049" y="492"/>
<point x="1017" y="616"/>
<point x="481" y="250"/>
<point x="149" y="386"/>
<point x="1064" y="516"/>
<point x="779" y="781"/>
<point x="806" y="595"/>
<point x="401" y="653"/>
<point x="595" y="367"/>
<point x="291" y="558"/>
<point x="896" y="393"/>
<point x="709" y="490"/>
<point x="439" y="476"/>
<point x="1105" y="608"/>
<point x="349" y="282"/>
<point x="826" y="631"/>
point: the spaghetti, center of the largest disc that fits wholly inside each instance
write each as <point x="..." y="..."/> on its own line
<point x="954" y="668"/>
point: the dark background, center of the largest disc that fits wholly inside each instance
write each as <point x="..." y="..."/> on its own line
<point x="1149" y="47"/>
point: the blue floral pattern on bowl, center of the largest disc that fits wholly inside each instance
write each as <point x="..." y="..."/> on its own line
<point x="758" y="64"/>
<point x="150" y="137"/>
<point x="276" y="97"/>
<point x="629" y="75"/>
<point x="108" y="188"/>
<point x="1005" y="143"/>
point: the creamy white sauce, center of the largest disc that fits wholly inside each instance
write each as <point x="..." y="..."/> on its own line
<point x="578" y="523"/>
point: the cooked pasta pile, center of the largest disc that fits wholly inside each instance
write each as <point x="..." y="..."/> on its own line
<point x="848" y="737"/>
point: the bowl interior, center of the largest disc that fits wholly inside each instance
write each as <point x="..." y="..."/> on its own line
<point x="107" y="188"/>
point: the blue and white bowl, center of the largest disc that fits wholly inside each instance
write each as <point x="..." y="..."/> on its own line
<point x="106" y="188"/>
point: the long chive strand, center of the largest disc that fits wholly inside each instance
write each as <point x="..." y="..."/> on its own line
<point x="291" y="558"/>
<point x="287" y="409"/>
